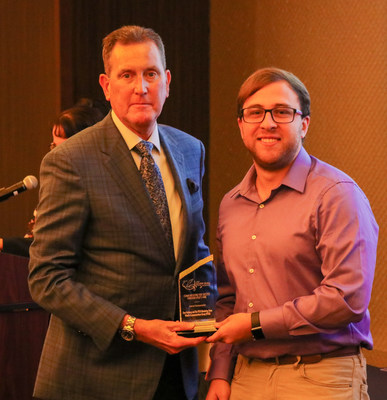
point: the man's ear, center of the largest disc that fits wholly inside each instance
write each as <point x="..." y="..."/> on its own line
<point x="104" y="81"/>
<point x="168" y="78"/>
<point x="240" y="124"/>
<point x="305" y="125"/>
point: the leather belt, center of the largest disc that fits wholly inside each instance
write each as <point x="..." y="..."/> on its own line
<point x="313" y="358"/>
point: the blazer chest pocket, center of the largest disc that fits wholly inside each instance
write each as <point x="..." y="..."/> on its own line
<point x="195" y="194"/>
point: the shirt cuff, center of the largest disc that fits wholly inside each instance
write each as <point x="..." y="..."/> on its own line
<point x="273" y="323"/>
<point x="223" y="360"/>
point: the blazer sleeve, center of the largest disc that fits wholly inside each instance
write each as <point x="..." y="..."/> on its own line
<point x="56" y="253"/>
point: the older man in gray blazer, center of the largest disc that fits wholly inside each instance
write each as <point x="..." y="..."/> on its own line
<point x="100" y="261"/>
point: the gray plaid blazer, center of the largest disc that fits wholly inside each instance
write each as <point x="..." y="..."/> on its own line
<point x="99" y="252"/>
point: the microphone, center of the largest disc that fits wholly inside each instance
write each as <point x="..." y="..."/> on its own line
<point x="29" y="182"/>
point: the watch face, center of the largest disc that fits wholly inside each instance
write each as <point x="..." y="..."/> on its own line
<point x="127" y="332"/>
<point x="127" y="335"/>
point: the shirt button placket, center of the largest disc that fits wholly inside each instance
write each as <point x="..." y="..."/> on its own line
<point x="251" y="269"/>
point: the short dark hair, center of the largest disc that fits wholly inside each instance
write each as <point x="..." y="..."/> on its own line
<point x="129" y="34"/>
<point x="84" y="113"/>
<point x="265" y="76"/>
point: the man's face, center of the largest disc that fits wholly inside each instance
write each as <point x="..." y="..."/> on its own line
<point x="137" y="85"/>
<point x="274" y="146"/>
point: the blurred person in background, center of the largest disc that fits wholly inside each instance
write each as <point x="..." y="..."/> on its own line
<point x="84" y="113"/>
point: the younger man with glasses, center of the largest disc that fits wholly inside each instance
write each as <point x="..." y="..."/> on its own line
<point x="297" y="250"/>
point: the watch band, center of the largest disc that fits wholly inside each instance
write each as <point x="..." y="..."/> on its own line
<point x="127" y="331"/>
<point x="256" y="328"/>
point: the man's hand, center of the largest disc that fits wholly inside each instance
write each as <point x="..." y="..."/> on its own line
<point x="162" y="334"/>
<point x="234" y="329"/>
<point x="219" y="390"/>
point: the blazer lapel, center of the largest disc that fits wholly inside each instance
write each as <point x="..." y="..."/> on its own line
<point x="177" y="165"/>
<point x="120" y="164"/>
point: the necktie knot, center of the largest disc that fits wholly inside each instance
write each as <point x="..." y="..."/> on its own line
<point x="144" y="148"/>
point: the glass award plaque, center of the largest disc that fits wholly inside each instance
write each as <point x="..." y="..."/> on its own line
<point x="197" y="297"/>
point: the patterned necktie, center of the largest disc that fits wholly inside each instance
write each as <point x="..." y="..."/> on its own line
<point x="152" y="178"/>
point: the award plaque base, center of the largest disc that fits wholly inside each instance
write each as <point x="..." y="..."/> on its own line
<point x="205" y="328"/>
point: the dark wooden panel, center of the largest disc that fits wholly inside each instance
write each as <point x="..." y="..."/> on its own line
<point x="22" y="330"/>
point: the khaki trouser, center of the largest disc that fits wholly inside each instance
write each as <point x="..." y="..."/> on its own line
<point x="339" y="378"/>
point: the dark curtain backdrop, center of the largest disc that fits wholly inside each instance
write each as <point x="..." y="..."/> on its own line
<point x="184" y="28"/>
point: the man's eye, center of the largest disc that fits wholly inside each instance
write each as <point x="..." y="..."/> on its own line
<point x="126" y="76"/>
<point x="283" y="111"/>
<point x="255" y="112"/>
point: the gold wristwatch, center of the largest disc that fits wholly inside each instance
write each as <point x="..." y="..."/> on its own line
<point x="127" y="331"/>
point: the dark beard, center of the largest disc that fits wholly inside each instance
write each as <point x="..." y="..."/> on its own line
<point x="283" y="162"/>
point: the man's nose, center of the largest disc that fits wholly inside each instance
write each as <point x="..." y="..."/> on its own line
<point x="140" y="85"/>
<point x="268" y="120"/>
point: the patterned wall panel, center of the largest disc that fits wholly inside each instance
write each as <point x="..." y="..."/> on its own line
<point x="29" y="100"/>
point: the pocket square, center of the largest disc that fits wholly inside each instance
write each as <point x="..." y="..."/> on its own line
<point x="193" y="187"/>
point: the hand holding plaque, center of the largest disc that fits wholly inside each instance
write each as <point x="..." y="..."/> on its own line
<point x="197" y="297"/>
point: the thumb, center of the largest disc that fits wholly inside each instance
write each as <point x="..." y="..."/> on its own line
<point x="182" y="326"/>
<point x="220" y="324"/>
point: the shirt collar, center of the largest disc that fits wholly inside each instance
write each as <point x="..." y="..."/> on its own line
<point x="131" y="138"/>
<point x="295" y="178"/>
<point x="298" y="172"/>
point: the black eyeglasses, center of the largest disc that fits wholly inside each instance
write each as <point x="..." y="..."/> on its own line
<point x="280" y="115"/>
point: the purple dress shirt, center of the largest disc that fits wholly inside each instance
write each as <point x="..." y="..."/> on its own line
<point x="304" y="259"/>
